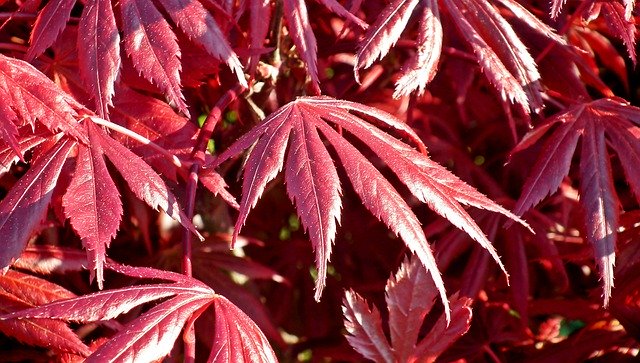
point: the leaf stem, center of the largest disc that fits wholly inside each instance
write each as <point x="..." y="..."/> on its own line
<point x="211" y="121"/>
<point x="141" y="139"/>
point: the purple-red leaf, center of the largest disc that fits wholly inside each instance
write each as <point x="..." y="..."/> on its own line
<point x="313" y="185"/>
<point x="153" y="48"/>
<point x="22" y="210"/>
<point x="295" y="11"/>
<point x="598" y="196"/>
<point x="99" y="52"/>
<point x="312" y="182"/>
<point x="422" y="67"/>
<point x="364" y="326"/>
<point x="29" y="96"/>
<point x="200" y="26"/>
<point x="595" y="122"/>
<point x="145" y="183"/>
<point x="49" y="24"/>
<point x="237" y="338"/>
<point x="92" y="203"/>
<point x="384" y="33"/>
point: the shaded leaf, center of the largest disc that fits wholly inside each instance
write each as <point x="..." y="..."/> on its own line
<point x="22" y="210"/>
<point x="597" y="121"/>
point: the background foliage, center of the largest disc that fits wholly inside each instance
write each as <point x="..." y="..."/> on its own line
<point x="398" y="180"/>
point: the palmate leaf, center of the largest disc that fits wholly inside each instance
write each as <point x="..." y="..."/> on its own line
<point x="501" y="54"/>
<point x="148" y="39"/>
<point x="312" y="178"/>
<point x="92" y="202"/>
<point x="595" y="122"/>
<point x="21" y="291"/>
<point x="410" y="295"/>
<point x="151" y="335"/>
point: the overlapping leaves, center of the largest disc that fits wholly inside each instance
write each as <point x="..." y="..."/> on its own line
<point x="304" y="126"/>
<point x="91" y="202"/>
<point x="598" y="123"/>
<point x="151" y="336"/>
<point x="147" y="37"/>
<point x="502" y="56"/>
<point x="410" y="295"/>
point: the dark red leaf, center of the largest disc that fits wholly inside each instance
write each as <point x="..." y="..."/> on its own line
<point x="594" y="121"/>
<point x="99" y="52"/>
<point x="22" y="210"/>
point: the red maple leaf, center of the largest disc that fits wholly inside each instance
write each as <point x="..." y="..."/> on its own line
<point x="595" y="122"/>
<point x="313" y="184"/>
<point x="410" y="295"/>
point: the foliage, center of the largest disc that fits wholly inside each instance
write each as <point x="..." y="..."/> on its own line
<point x="125" y="127"/>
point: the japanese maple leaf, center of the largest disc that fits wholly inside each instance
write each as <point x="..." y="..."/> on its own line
<point x="151" y="335"/>
<point x="502" y="56"/>
<point x="312" y="178"/>
<point x="595" y="122"/>
<point x="29" y="97"/>
<point x="19" y="291"/>
<point x="410" y="295"/>
<point x="92" y="202"/>
<point x="148" y="39"/>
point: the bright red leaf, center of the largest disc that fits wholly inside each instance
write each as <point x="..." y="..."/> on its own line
<point x="29" y="97"/>
<point x="312" y="181"/>
<point x="21" y="291"/>
<point x="92" y="202"/>
<point x="151" y="335"/>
